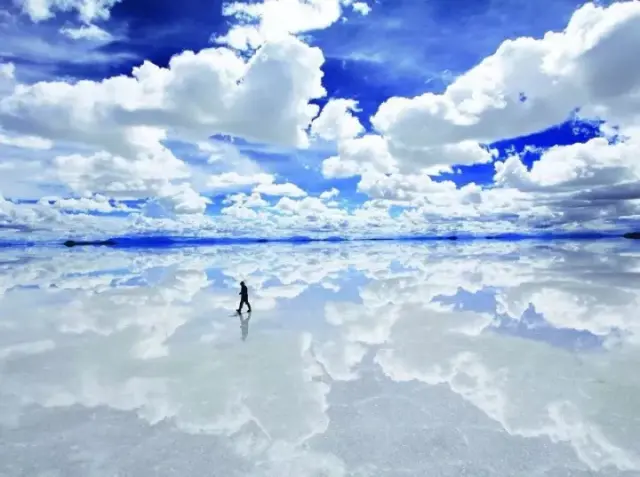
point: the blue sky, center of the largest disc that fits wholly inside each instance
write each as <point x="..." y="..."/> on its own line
<point x="333" y="116"/>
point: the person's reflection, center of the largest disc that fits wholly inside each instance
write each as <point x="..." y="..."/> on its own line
<point x="244" y="325"/>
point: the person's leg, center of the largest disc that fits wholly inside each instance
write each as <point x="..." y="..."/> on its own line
<point x="239" y="310"/>
<point x="249" y="305"/>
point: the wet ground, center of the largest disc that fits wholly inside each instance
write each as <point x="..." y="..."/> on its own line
<point x="379" y="359"/>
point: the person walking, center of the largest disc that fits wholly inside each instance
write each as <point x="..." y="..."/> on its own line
<point x="244" y="297"/>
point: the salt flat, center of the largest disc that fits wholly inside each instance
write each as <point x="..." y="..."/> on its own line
<point x="369" y="359"/>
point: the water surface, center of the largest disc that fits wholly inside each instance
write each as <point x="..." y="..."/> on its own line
<point x="370" y="359"/>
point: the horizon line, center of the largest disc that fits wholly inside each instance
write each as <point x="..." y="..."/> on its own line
<point x="166" y="241"/>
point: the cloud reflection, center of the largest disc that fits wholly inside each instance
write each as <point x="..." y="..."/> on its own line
<point x="362" y="359"/>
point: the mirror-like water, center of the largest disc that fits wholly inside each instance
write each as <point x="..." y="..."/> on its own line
<point x="390" y="359"/>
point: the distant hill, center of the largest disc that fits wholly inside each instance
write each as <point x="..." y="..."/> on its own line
<point x="75" y="243"/>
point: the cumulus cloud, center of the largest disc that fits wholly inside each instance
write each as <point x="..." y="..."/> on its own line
<point x="252" y="200"/>
<point x="330" y="194"/>
<point x="117" y="137"/>
<point x="142" y="175"/>
<point x="357" y="156"/>
<point x="579" y="182"/>
<point x="125" y="119"/>
<point x="309" y="205"/>
<point x="212" y="91"/>
<point x="179" y="199"/>
<point x="231" y="180"/>
<point x="288" y="189"/>
<point x="557" y="74"/>
<point x="274" y="19"/>
<point x="97" y="203"/>
<point x="336" y="121"/>
<point x="361" y="7"/>
<point x="14" y="217"/>
<point x="375" y="153"/>
<point x="527" y="85"/>
<point x="575" y="167"/>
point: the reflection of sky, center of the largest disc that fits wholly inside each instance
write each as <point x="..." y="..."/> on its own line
<point x="531" y="325"/>
<point x="361" y="359"/>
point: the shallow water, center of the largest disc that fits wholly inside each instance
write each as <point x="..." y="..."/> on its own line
<point x="379" y="359"/>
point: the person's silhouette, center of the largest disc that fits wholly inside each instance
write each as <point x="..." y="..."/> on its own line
<point x="244" y="298"/>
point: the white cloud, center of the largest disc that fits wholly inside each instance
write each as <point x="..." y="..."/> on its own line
<point x="402" y="187"/>
<point x="361" y="7"/>
<point x="125" y="120"/>
<point x="579" y="183"/>
<point x="117" y="137"/>
<point x="97" y="203"/>
<point x="7" y="71"/>
<point x="330" y="194"/>
<point x="574" y="167"/>
<point x="87" y="10"/>
<point x="433" y="160"/>
<point x="87" y="32"/>
<point x="26" y="218"/>
<point x="309" y="207"/>
<point x="373" y="153"/>
<point x="151" y="168"/>
<point x="177" y="200"/>
<point x="275" y="19"/>
<point x="360" y="155"/>
<point x="232" y="180"/>
<point x="588" y="65"/>
<point x="7" y="78"/>
<point x="41" y="52"/>
<point x="336" y="121"/>
<point x="336" y="168"/>
<point x="254" y="200"/>
<point x="287" y="190"/>
<point x="430" y="134"/>
<point x="26" y="142"/>
<point x="241" y="38"/>
<point x="199" y="94"/>
<point x="264" y="184"/>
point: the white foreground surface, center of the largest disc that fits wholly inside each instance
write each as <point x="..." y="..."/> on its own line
<point x="463" y="359"/>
